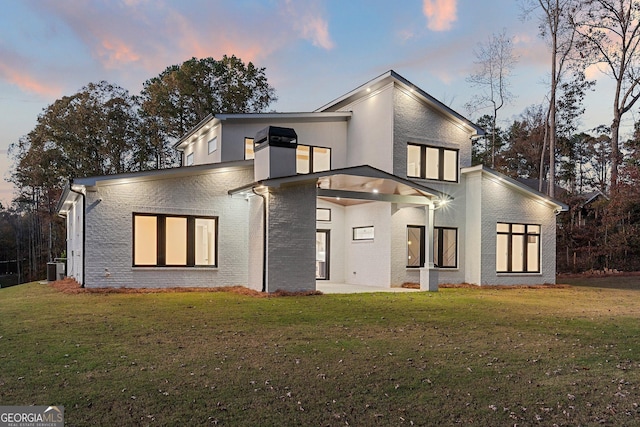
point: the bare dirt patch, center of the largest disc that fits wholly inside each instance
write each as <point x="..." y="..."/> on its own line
<point x="71" y="286"/>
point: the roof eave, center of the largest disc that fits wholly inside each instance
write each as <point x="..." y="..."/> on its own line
<point x="559" y="206"/>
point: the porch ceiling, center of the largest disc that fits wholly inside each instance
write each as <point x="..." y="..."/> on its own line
<point x="358" y="184"/>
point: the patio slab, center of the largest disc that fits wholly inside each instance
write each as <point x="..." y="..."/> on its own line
<point x="343" y="288"/>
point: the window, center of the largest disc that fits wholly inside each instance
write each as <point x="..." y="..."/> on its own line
<point x="363" y="233"/>
<point x="311" y="159"/>
<point x="415" y="246"/>
<point x="445" y="247"/>
<point x="212" y="144"/>
<point x="189" y="161"/>
<point x="248" y="149"/>
<point x="173" y="240"/>
<point x="517" y="248"/>
<point x="432" y="163"/>
<point x="323" y="214"/>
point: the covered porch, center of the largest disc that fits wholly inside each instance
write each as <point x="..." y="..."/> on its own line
<point x="349" y="225"/>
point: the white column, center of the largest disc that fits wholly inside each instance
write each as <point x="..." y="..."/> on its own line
<point x="428" y="273"/>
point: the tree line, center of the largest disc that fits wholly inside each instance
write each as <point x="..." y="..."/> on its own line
<point x="595" y="171"/>
<point x="103" y="129"/>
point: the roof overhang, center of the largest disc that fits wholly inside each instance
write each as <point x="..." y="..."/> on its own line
<point x="359" y="183"/>
<point x="82" y="185"/>
<point x="518" y="186"/>
<point x="393" y="77"/>
<point x="273" y="118"/>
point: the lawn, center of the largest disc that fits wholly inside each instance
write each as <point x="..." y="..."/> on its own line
<point x="563" y="356"/>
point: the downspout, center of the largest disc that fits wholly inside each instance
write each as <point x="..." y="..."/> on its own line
<point x="84" y="229"/>
<point x="264" y="239"/>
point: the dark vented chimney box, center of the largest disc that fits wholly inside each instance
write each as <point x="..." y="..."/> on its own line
<point x="274" y="153"/>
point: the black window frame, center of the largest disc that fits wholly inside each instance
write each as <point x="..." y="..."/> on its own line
<point x="360" y="239"/>
<point x="422" y="259"/>
<point x="311" y="154"/>
<point x="423" y="162"/>
<point x="244" y="148"/>
<point x="525" y="249"/>
<point x="161" y="240"/>
<point x="438" y="257"/>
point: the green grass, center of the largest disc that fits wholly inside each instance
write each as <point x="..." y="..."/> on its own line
<point x="483" y="357"/>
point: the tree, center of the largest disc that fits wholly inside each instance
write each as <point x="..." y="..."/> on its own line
<point x="495" y="60"/>
<point x="92" y="132"/>
<point x="555" y="27"/>
<point x="183" y="95"/>
<point x="525" y="141"/>
<point x="610" y="35"/>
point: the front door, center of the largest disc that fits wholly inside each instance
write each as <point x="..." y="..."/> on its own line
<point x="322" y="254"/>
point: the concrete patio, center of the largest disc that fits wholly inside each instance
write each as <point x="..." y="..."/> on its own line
<point x="343" y="288"/>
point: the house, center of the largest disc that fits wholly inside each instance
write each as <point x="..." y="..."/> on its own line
<point x="373" y="188"/>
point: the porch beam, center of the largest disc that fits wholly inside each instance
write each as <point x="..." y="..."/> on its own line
<point x="378" y="197"/>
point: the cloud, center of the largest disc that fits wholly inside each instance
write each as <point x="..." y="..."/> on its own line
<point x="440" y="14"/>
<point x="16" y="74"/>
<point x="309" y="23"/>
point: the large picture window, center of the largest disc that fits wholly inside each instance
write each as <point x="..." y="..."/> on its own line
<point x="436" y="163"/>
<point x="174" y="241"/>
<point x="517" y="248"/>
<point x="445" y="247"/>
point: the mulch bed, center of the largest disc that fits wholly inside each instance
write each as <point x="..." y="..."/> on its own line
<point x="500" y="287"/>
<point x="71" y="286"/>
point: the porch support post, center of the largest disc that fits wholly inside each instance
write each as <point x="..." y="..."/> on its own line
<point x="428" y="273"/>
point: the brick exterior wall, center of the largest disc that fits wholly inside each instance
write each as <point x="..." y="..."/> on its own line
<point x="291" y="238"/>
<point x="109" y="223"/>
<point x="499" y="203"/>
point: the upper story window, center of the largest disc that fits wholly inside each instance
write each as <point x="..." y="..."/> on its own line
<point x="248" y="149"/>
<point x="212" y="145"/>
<point x="428" y="162"/>
<point x="189" y="161"/>
<point x="311" y="159"/>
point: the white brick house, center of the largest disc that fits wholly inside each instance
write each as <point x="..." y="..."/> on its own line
<point x="374" y="188"/>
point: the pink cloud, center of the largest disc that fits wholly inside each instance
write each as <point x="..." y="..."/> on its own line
<point x="20" y="78"/>
<point x="309" y="23"/>
<point x="441" y="14"/>
<point x="116" y="51"/>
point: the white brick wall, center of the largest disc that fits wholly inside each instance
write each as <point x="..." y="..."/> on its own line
<point x="109" y="228"/>
<point x="500" y="203"/>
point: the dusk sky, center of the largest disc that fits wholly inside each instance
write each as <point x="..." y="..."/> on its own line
<point x="313" y="50"/>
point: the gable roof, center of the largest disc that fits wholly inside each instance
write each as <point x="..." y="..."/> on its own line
<point x="518" y="186"/>
<point x="391" y="76"/>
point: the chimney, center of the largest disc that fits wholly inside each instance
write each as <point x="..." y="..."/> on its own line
<point x="274" y="153"/>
